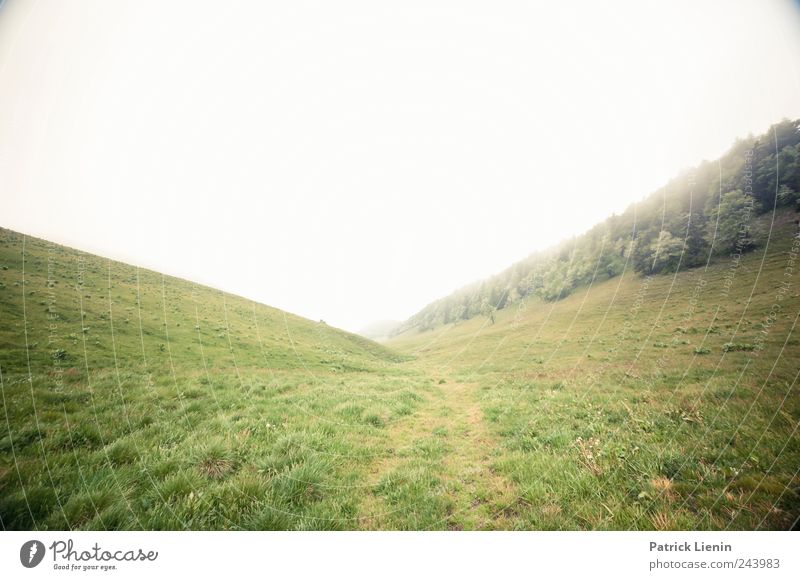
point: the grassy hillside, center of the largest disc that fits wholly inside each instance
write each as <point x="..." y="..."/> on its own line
<point x="134" y="400"/>
<point x="666" y="401"/>
<point x="707" y="211"/>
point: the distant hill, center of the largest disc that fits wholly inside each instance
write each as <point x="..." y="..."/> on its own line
<point x="380" y="330"/>
<point x="701" y="215"/>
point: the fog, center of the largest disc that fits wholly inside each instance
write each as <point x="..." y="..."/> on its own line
<point x="353" y="161"/>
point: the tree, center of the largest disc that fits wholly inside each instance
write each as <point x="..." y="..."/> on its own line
<point x="666" y="252"/>
<point x="642" y="256"/>
<point x="696" y="250"/>
<point x="733" y="234"/>
<point x="789" y="197"/>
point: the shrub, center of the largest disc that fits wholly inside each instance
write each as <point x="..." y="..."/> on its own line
<point x="735" y="346"/>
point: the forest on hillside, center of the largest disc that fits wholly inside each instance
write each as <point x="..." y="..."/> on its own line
<point x="705" y="212"/>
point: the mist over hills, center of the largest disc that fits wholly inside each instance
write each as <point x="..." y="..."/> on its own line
<point x="379" y="330"/>
<point x="701" y="215"/>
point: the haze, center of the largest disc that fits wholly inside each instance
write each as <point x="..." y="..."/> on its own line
<point x="353" y="161"/>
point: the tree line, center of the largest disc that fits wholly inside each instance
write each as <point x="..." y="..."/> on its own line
<point x="704" y="212"/>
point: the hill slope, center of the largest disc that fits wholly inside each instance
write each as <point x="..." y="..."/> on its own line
<point x="136" y="400"/>
<point x="658" y="401"/>
<point x="705" y="213"/>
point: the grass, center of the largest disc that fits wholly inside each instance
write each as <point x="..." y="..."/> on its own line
<point x="643" y="403"/>
<point x="132" y="400"/>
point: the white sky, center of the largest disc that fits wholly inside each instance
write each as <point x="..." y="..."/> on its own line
<point x="353" y="161"/>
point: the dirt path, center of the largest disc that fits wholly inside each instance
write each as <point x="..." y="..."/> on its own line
<point x="439" y="474"/>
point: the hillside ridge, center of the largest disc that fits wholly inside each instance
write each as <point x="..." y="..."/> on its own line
<point x="704" y="213"/>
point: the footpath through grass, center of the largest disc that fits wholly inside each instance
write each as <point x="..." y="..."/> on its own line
<point x="439" y="473"/>
<point x="664" y="402"/>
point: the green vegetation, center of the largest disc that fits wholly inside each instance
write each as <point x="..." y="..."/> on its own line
<point x="657" y="392"/>
<point x="665" y="402"/>
<point x="133" y="400"/>
<point x="706" y="213"/>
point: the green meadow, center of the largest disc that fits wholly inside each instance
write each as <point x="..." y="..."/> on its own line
<point x="134" y="400"/>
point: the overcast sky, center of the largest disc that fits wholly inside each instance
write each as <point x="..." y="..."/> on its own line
<point x="353" y="161"/>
